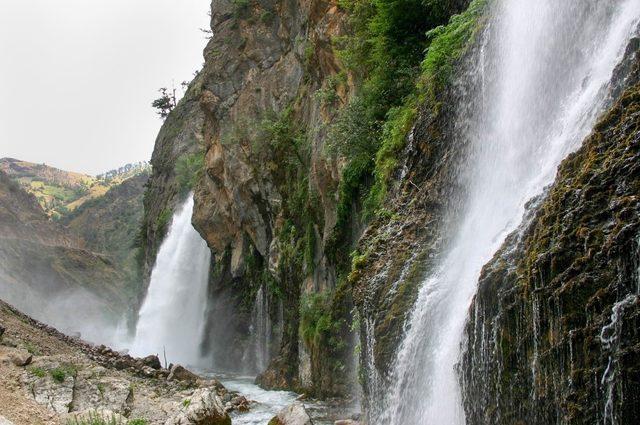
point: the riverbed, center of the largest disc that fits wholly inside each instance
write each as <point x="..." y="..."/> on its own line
<point x="268" y="403"/>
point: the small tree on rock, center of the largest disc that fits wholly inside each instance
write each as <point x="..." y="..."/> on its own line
<point x="165" y="103"/>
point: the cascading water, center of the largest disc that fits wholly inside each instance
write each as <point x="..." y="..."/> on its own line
<point x="172" y="316"/>
<point x="545" y="70"/>
<point x="257" y="354"/>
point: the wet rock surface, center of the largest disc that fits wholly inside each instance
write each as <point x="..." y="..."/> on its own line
<point x="553" y="331"/>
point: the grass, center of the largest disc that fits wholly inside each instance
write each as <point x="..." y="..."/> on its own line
<point x="37" y="371"/>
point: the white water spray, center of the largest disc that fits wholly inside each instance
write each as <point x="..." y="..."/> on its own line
<point x="545" y="68"/>
<point x="172" y="316"/>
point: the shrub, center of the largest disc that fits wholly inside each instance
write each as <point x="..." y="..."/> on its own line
<point x="58" y="375"/>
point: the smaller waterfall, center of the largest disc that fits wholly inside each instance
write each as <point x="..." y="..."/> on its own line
<point x="172" y="316"/>
<point x="258" y="351"/>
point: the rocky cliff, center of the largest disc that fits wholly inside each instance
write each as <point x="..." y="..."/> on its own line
<point x="304" y="107"/>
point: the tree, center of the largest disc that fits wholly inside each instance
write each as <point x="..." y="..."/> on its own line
<point x="165" y="103"/>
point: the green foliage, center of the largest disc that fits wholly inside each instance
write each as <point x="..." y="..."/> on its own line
<point x="31" y="348"/>
<point x="448" y="44"/>
<point x="58" y="374"/>
<point x="162" y="222"/>
<point x="138" y="421"/>
<point x="395" y="77"/>
<point x="189" y="168"/>
<point x="267" y="17"/>
<point x="353" y="185"/>
<point x="186" y="402"/>
<point x="37" y="371"/>
<point x="240" y="8"/>
<point x="315" y="316"/>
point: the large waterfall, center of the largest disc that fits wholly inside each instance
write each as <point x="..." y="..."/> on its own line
<point x="545" y="68"/>
<point x="172" y="316"/>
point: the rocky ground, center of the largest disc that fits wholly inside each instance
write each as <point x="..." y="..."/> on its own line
<point x="49" y="378"/>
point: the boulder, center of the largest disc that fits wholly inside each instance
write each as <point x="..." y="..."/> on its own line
<point x="56" y="396"/>
<point x="203" y="408"/>
<point x="179" y="373"/>
<point x="294" y="414"/>
<point x="91" y="416"/>
<point x="107" y="392"/>
<point x="152" y="361"/>
<point x="17" y="356"/>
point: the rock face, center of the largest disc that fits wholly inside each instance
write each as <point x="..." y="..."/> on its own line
<point x="553" y="331"/>
<point x="263" y="67"/>
<point x="294" y="414"/>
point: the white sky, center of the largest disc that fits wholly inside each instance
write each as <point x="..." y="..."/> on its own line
<point x="77" y="77"/>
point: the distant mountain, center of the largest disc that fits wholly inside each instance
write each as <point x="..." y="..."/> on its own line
<point x="110" y="223"/>
<point x="59" y="191"/>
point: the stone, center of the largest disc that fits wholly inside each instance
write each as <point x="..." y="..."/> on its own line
<point x="204" y="408"/>
<point x="5" y="421"/>
<point x="17" y="356"/>
<point x="294" y="414"/>
<point x="111" y="393"/>
<point x="346" y="422"/>
<point x="152" y="361"/>
<point x="1" y="331"/>
<point x="95" y="416"/>
<point x="56" y="396"/>
<point x="179" y="373"/>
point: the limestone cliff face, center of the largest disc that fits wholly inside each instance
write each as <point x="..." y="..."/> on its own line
<point x="553" y="330"/>
<point x="264" y="143"/>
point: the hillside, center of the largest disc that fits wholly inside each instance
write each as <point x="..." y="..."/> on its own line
<point x="59" y="191"/>
<point x="49" y="378"/>
<point x="44" y="270"/>
<point x="110" y="223"/>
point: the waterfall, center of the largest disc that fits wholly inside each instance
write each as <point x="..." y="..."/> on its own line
<point x="258" y="352"/>
<point x="545" y="68"/>
<point x="172" y="316"/>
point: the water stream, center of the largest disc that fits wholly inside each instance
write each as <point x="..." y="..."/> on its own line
<point x="172" y="317"/>
<point x="545" y="69"/>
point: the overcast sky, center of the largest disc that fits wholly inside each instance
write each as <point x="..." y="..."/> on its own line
<point x="77" y="77"/>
